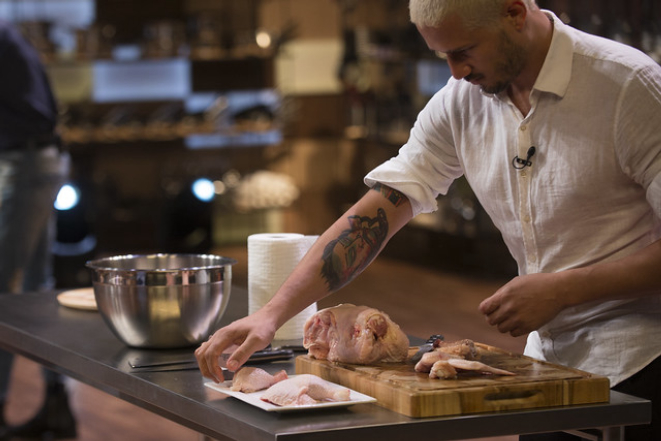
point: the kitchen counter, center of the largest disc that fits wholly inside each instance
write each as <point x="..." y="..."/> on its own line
<point x="80" y="345"/>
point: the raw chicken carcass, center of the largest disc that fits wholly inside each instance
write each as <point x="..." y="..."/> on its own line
<point x="354" y="334"/>
<point x="304" y="389"/>
<point x="252" y="379"/>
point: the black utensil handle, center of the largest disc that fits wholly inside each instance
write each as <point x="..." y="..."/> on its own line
<point x="435" y="337"/>
<point x="271" y="355"/>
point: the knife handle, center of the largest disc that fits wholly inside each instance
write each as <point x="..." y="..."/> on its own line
<point x="433" y="338"/>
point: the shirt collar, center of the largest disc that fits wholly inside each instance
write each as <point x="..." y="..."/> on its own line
<point x="556" y="71"/>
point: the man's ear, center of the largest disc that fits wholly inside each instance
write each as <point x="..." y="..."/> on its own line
<point x="516" y="13"/>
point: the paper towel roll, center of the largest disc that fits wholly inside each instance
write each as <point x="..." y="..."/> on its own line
<point x="271" y="259"/>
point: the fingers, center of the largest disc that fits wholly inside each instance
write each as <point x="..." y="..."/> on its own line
<point x="521" y="305"/>
<point x="496" y="316"/>
<point x="517" y="332"/>
<point x="206" y="369"/>
<point x="501" y="320"/>
<point x="241" y="355"/>
<point x="208" y="354"/>
<point x="488" y="306"/>
<point x="223" y="342"/>
<point x="509" y="325"/>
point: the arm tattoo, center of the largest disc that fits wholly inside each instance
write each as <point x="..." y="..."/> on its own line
<point x="394" y="196"/>
<point x="348" y="255"/>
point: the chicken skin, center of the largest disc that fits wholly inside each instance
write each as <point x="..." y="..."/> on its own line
<point x="354" y="334"/>
<point x="304" y="389"/>
<point x="447" y="359"/>
<point x="251" y="379"/>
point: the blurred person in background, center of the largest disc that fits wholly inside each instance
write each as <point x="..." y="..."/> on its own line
<point x="33" y="167"/>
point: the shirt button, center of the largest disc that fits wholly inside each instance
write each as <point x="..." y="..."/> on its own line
<point x="523" y="128"/>
<point x="524" y="174"/>
<point x="526" y="219"/>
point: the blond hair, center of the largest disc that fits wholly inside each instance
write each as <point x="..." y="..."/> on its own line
<point x="474" y="13"/>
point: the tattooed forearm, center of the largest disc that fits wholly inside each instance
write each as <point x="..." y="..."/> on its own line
<point x="348" y="255"/>
<point x="395" y="197"/>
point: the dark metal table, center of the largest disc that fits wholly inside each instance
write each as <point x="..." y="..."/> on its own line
<point x="80" y="345"/>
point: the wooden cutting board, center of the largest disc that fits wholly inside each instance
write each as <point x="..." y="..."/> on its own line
<point x="398" y="387"/>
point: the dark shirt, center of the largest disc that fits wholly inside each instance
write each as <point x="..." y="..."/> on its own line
<point x="28" y="110"/>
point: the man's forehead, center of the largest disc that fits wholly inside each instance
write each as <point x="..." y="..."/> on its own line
<point x="448" y="37"/>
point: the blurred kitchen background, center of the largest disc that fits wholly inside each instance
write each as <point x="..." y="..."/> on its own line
<point x="195" y="123"/>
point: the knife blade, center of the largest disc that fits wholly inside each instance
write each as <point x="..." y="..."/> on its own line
<point x="227" y="374"/>
<point x="168" y="367"/>
<point x="264" y="356"/>
<point x="427" y="346"/>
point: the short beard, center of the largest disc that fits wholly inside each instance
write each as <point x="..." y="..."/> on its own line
<point x="514" y="60"/>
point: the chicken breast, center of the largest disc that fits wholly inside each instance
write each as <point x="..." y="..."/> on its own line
<point x="354" y="334"/>
<point x="304" y="389"/>
<point x="252" y="379"/>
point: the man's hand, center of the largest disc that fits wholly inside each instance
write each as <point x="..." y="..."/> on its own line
<point x="524" y="304"/>
<point x="248" y="335"/>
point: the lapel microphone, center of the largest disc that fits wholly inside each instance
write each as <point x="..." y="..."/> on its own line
<point x="519" y="163"/>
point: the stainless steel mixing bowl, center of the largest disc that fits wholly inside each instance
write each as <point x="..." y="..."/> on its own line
<point x="162" y="300"/>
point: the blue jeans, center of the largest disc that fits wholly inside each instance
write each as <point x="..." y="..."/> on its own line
<point x="29" y="182"/>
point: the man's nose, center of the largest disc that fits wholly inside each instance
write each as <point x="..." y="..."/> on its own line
<point x="459" y="70"/>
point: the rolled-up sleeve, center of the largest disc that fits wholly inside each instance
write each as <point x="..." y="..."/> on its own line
<point x="427" y="164"/>
<point x="637" y="132"/>
<point x="395" y="173"/>
<point x="654" y="195"/>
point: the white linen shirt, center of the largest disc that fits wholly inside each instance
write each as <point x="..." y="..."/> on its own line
<point x="592" y="193"/>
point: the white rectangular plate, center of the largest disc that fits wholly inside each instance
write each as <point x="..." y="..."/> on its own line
<point x="254" y="399"/>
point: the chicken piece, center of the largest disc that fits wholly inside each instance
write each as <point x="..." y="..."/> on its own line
<point x="304" y="389"/>
<point x="446" y="350"/>
<point x="449" y="368"/>
<point x="354" y="334"/>
<point x="442" y="369"/>
<point x="429" y="359"/>
<point x="461" y="348"/>
<point x="446" y="359"/>
<point x="252" y="379"/>
<point x="468" y="365"/>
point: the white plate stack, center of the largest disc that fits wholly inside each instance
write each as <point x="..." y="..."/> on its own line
<point x="271" y="259"/>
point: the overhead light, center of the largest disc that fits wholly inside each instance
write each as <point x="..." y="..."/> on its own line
<point x="67" y="198"/>
<point x="263" y="39"/>
<point x="204" y="189"/>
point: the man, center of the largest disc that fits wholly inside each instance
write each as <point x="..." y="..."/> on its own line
<point x="557" y="132"/>
<point x="32" y="170"/>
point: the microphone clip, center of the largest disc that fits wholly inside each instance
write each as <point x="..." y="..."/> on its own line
<point x="519" y="163"/>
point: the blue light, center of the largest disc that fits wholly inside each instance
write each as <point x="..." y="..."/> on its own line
<point x="203" y="189"/>
<point x="67" y="198"/>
